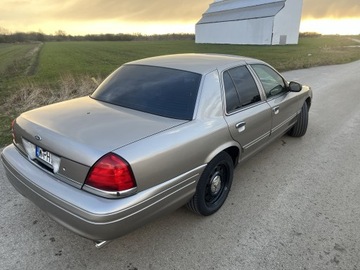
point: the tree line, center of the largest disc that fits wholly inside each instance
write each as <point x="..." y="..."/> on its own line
<point x="62" y="36"/>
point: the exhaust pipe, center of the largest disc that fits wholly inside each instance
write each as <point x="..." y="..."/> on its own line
<point x="100" y="244"/>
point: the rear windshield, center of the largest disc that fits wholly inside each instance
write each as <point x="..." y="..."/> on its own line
<point x="162" y="91"/>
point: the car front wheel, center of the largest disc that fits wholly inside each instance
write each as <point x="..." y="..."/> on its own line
<point x="300" y="127"/>
<point x="213" y="186"/>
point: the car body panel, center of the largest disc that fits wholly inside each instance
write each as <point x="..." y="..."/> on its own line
<point x="77" y="133"/>
<point x="91" y="216"/>
<point x="86" y="122"/>
<point x="167" y="156"/>
<point x="198" y="63"/>
<point x="282" y="105"/>
<point x="250" y="127"/>
<point x="284" y="115"/>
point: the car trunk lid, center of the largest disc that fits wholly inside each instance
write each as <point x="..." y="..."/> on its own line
<point x="80" y="131"/>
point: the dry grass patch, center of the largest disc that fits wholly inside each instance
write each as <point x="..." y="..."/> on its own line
<point x="30" y="95"/>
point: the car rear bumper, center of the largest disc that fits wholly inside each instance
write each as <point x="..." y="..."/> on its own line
<point x="91" y="216"/>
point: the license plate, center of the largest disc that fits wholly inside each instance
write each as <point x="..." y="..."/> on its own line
<point x="44" y="156"/>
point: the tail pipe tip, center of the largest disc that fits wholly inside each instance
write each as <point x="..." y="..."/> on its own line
<point x="100" y="244"/>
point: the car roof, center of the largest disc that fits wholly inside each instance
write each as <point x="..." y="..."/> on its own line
<point x="195" y="62"/>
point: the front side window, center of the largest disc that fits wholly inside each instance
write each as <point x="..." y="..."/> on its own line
<point x="240" y="88"/>
<point x="271" y="81"/>
<point x="161" y="91"/>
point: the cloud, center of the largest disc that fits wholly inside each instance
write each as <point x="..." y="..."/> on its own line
<point x="128" y="10"/>
<point x="331" y="9"/>
<point x="24" y="13"/>
<point x="184" y="10"/>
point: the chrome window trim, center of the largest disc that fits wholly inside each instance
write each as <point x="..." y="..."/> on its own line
<point x="223" y="95"/>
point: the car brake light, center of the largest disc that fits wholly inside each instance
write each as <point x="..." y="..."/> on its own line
<point x="111" y="173"/>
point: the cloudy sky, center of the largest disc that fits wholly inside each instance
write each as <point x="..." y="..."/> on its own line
<point x="157" y="16"/>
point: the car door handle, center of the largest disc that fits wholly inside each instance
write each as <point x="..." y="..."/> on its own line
<point x="240" y="126"/>
<point x="276" y="110"/>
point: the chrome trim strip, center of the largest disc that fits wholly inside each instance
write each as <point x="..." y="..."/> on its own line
<point x="110" y="194"/>
<point x="283" y="123"/>
<point x="267" y="134"/>
<point x="258" y="103"/>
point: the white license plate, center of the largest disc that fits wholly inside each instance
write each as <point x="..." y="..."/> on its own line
<point x="44" y="156"/>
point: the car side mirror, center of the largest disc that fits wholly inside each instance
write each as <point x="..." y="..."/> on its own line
<point x="295" y="87"/>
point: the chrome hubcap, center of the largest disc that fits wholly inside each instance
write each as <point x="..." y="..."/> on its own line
<point x="215" y="185"/>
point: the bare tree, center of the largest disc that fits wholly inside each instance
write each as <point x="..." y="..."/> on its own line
<point x="4" y="31"/>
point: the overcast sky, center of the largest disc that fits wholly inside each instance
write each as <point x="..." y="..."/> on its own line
<point x="23" y="15"/>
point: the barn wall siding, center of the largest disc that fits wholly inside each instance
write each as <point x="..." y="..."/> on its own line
<point x="236" y="32"/>
<point x="261" y="22"/>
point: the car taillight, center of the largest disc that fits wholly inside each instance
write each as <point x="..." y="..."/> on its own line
<point x="111" y="173"/>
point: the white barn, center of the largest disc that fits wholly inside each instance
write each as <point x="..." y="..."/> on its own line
<point x="264" y="22"/>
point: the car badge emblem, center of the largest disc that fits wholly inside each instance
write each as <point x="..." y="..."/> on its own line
<point x="37" y="137"/>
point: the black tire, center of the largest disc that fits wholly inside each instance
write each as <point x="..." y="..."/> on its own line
<point x="213" y="186"/>
<point x="299" y="129"/>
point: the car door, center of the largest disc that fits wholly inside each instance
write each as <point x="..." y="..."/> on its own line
<point x="247" y="114"/>
<point x="282" y="102"/>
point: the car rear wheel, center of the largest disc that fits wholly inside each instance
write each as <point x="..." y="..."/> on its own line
<point x="299" y="129"/>
<point x="213" y="186"/>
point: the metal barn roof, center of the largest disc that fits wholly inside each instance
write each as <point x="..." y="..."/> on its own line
<point x="236" y="10"/>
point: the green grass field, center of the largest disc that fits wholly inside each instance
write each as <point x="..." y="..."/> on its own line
<point x="100" y="58"/>
<point x="54" y="68"/>
<point x="13" y="55"/>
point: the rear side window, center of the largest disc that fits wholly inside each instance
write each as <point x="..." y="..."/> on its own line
<point x="240" y="88"/>
<point x="161" y="91"/>
<point x="231" y="95"/>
